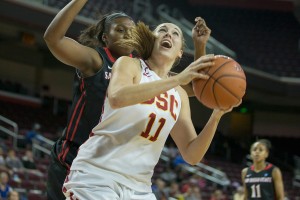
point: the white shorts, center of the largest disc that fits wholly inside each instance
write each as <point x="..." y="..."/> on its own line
<point x="80" y="185"/>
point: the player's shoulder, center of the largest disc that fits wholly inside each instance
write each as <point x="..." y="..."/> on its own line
<point x="244" y="170"/>
<point x="276" y="173"/>
<point x="182" y="93"/>
<point x="127" y="62"/>
<point x="127" y="59"/>
<point x="270" y="166"/>
<point x="276" y="169"/>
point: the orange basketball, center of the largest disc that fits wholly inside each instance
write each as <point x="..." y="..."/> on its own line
<point x="225" y="86"/>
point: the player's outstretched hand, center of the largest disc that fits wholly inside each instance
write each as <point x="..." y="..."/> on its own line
<point x="200" y="31"/>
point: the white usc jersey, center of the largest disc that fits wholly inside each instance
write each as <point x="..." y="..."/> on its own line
<point x="127" y="143"/>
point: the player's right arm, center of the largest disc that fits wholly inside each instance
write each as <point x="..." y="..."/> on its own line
<point x="243" y="175"/>
<point x="67" y="50"/>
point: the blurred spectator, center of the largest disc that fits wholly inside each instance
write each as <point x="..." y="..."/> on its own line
<point x="198" y="180"/>
<point x="5" y="188"/>
<point x="191" y="192"/>
<point x="34" y="133"/>
<point x="168" y="175"/>
<point x="171" y="151"/>
<point x="196" y="193"/>
<point x="28" y="161"/>
<point x="13" y="162"/>
<point x="13" y="195"/>
<point x="3" y="146"/>
<point x="173" y="190"/>
<point x="14" y="165"/>
<point x="239" y="194"/>
<point x="2" y="160"/>
<point x="218" y="195"/>
<point x="185" y="190"/>
<point x="182" y="174"/>
<point x="159" y="189"/>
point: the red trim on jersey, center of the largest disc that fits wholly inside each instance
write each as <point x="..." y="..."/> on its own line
<point x="73" y="134"/>
<point x="77" y="121"/>
<point x="269" y="165"/>
<point x="74" y="113"/>
<point x="64" y="151"/>
<point x="111" y="58"/>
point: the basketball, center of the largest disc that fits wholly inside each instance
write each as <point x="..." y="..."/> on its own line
<point x="225" y="86"/>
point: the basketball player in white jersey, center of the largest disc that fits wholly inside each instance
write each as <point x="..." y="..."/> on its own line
<point x="143" y="106"/>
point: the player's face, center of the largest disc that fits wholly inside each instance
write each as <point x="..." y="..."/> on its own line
<point x="259" y="152"/>
<point x="169" y="40"/>
<point x="14" y="195"/>
<point x="119" y="29"/>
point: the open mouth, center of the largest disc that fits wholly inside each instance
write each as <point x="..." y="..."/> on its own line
<point x="166" y="44"/>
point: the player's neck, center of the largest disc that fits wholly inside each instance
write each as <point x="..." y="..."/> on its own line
<point x="259" y="166"/>
<point x="161" y="69"/>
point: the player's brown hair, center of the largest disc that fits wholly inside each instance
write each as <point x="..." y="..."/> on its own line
<point x="142" y="40"/>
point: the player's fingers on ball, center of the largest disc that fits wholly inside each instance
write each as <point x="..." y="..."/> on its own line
<point x="209" y="57"/>
<point x="204" y="65"/>
<point x="202" y="76"/>
<point x="205" y="58"/>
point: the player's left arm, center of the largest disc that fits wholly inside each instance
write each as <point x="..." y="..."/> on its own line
<point x="191" y="145"/>
<point x="278" y="183"/>
<point x="200" y="34"/>
<point x="188" y="88"/>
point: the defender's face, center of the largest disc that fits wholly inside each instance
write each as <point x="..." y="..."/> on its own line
<point x="119" y="29"/>
<point x="259" y="152"/>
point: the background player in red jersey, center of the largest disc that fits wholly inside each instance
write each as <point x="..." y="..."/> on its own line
<point x="92" y="57"/>
<point x="262" y="180"/>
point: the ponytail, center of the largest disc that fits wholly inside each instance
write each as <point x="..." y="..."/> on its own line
<point x="141" y="39"/>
